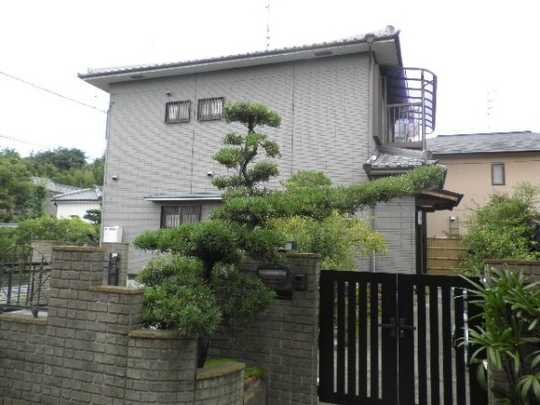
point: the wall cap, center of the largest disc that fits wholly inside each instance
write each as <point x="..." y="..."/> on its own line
<point x="220" y="371"/>
<point x="144" y="333"/>
<point x="23" y="318"/>
<point x="84" y="249"/>
<point x="114" y="289"/>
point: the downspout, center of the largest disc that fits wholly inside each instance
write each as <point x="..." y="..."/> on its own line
<point x="106" y="167"/>
<point x="370" y="38"/>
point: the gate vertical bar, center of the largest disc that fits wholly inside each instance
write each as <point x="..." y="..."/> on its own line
<point x="351" y="339"/>
<point x="389" y="340"/>
<point x="422" y="344"/>
<point x="340" y="388"/>
<point x="447" y="345"/>
<point x="434" y="343"/>
<point x="362" y="339"/>
<point x="406" y="339"/>
<point x="374" y="338"/>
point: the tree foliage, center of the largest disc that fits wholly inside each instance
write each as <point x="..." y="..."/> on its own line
<point x="19" y="197"/>
<point x="71" y="231"/>
<point x="502" y="229"/>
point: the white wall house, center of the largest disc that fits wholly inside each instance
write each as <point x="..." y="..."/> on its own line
<point x="77" y="203"/>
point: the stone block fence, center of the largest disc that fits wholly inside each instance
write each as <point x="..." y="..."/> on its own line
<point x="90" y="347"/>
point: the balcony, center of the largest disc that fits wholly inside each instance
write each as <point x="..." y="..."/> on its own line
<point x="411" y="96"/>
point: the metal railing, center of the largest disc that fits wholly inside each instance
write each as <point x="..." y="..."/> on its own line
<point x="24" y="283"/>
<point x="410" y="113"/>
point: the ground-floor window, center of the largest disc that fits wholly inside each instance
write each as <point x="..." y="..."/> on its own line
<point x="176" y="215"/>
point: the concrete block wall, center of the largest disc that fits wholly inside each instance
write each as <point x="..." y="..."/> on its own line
<point x="283" y="340"/>
<point x="123" y="250"/>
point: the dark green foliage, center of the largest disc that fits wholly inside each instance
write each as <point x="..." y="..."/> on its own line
<point x="239" y="295"/>
<point x="93" y="215"/>
<point x="509" y="334"/>
<point x="176" y="297"/>
<point x="19" y="198"/>
<point x="251" y="114"/>
<point x="61" y="158"/>
<point x="502" y="229"/>
<point x="240" y="150"/>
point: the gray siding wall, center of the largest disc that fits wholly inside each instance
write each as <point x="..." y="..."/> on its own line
<point x="324" y="110"/>
<point x="395" y="220"/>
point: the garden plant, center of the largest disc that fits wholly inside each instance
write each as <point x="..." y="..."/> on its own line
<point x="200" y="286"/>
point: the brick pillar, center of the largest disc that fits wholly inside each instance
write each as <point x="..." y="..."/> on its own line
<point x="283" y="340"/>
<point x="161" y="368"/>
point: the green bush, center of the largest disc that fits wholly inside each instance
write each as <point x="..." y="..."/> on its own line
<point x="71" y="231"/>
<point x="509" y="334"/>
<point x="240" y="295"/>
<point x="176" y="297"/>
<point x="502" y="229"/>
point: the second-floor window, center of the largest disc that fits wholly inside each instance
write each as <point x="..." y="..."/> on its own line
<point x="174" y="216"/>
<point x="177" y="111"/>
<point x="498" y="176"/>
<point x="210" y="109"/>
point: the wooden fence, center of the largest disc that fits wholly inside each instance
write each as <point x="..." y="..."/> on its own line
<point x="443" y="255"/>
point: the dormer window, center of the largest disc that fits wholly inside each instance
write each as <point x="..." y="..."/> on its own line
<point x="177" y="111"/>
<point x="210" y="109"/>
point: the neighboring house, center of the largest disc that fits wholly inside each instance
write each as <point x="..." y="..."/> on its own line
<point x="480" y="165"/>
<point x="52" y="189"/>
<point x="77" y="203"/>
<point x="349" y="108"/>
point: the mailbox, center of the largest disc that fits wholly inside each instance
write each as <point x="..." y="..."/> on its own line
<point x="277" y="278"/>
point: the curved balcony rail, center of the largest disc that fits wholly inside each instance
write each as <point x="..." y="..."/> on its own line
<point x="411" y="95"/>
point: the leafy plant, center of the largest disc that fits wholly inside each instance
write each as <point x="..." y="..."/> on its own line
<point x="176" y="296"/>
<point x="502" y="229"/>
<point x="508" y="333"/>
<point x="72" y="231"/>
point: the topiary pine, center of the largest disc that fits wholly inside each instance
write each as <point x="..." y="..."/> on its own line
<point x="241" y="150"/>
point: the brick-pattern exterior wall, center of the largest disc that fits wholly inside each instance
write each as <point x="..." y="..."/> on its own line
<point x="161" y="368"/>
<point x="82" y="352"/>
<point x="283" y="340"/>
<point x="220" y="386"/>
<point x="324" y="108"/>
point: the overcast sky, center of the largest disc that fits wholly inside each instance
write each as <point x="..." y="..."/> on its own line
<point x="480" y="50"/>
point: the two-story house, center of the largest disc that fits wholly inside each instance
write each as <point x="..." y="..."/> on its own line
<point x="349" y="108"/>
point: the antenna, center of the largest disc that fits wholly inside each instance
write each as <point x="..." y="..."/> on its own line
<point x="267" y="24"/>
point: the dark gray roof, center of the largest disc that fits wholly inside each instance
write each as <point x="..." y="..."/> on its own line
<point x="183" y="196"/>
<point x="389" y="157"/>
<point x="86" y="194"/>
<point x="489" y="142"/>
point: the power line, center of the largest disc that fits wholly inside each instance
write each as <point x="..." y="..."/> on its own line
<point x="12" y="138"/>
<point x="38" y="87"/>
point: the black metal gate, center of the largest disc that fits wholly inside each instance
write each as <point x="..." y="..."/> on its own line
<point x="389" y="339"/>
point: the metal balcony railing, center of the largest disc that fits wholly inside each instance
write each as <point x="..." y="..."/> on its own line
<point x="410" y="112"/>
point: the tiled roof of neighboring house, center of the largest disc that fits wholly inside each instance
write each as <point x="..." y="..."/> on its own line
<point x="182" y="196"/>
<point x="86" y="194"/>
<point x="390" y="158"/>
<point x="489" y="142"/>
<point x="337" y="47"/>
<point x="53" y="187"/>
